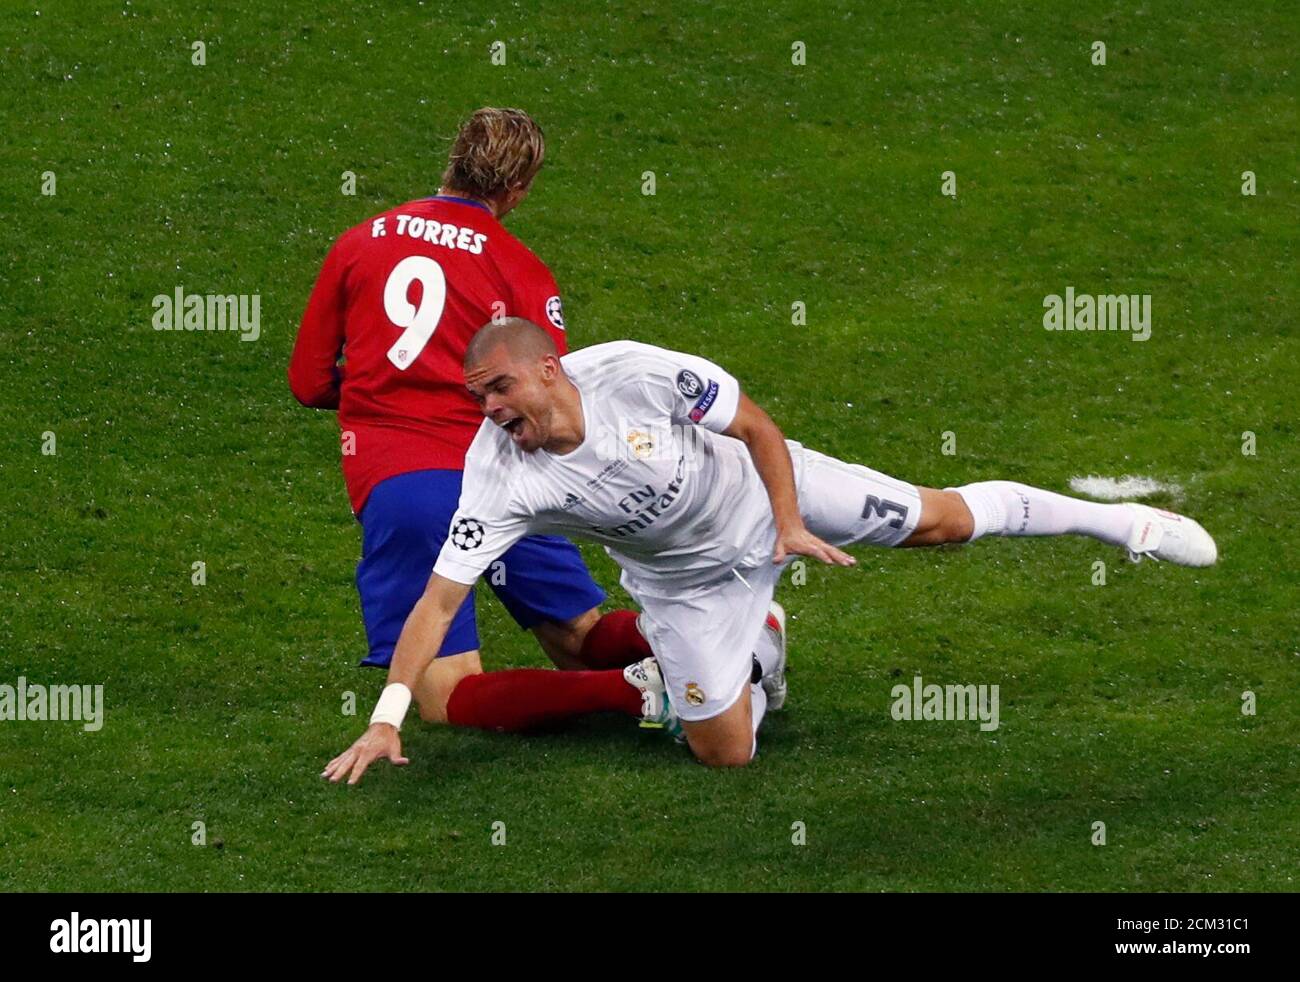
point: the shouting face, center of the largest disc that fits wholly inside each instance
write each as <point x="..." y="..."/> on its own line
<point x="516" y="393"/>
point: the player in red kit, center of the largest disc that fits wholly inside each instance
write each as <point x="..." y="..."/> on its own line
<point x="382" y="342"/>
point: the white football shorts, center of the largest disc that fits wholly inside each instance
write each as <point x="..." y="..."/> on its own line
<point x="703" y="636"/>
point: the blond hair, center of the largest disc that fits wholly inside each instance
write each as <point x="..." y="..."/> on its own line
<point x="496" y="150"/>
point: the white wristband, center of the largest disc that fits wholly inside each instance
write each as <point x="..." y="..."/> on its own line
<point x="392" y="705"/>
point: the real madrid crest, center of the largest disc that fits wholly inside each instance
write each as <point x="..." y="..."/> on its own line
<point x="694" y="694"/>
<point x="641" y="443"/>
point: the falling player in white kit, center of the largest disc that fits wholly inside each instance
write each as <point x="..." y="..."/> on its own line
<point x="696" y="494"/>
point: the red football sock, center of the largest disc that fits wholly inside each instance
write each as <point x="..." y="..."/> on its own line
<point x="524" y="698"/>
<point x="614" y="642"/>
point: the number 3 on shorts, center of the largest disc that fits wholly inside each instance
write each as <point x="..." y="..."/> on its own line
<point x="420" y="322"/>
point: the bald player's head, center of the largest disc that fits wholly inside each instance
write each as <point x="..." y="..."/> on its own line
<point x="523" y="340"/>
<point x="513" y="371"/>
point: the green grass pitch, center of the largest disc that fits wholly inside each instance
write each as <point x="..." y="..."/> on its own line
<point x="776" y="183"/>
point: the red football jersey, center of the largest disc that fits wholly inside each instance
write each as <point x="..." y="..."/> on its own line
<point x="398" y="299"/>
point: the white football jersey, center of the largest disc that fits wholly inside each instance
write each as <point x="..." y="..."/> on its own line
<point x="672" y="501"/>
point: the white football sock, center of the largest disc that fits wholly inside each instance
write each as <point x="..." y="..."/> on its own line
<point x="767" y="652"/>
<point x="758" y="707"/>
<point x="1008" y="508"/>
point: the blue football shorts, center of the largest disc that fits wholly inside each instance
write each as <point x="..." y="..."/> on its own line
<point x="404" y="522"/>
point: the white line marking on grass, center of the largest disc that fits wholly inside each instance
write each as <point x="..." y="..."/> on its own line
<point x="1125" y="488"/>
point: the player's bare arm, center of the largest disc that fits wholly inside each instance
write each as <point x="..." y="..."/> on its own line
<point x="767" y="448"/>
<point x="418" y="644"/>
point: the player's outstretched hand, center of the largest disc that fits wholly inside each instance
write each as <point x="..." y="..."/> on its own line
<point x="800" y="542"/>
<point x="380" y="740"/>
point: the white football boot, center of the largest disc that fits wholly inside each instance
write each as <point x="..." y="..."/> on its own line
<point x="774" y="682"/>
<point x="1161" y="534"/>
<point x="656" y="710"/>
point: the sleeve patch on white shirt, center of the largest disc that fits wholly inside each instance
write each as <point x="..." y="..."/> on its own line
<point x="467" y="534"/>
<point x="705" y="403"/>
<point x="689" y="384"/>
